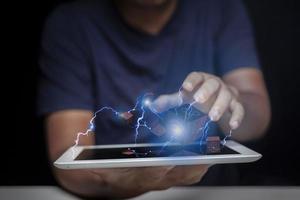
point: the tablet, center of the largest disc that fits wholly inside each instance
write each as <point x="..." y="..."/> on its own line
<point x="145" y="155"/>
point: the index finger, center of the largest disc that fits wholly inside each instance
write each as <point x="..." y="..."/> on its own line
<point x="165" y="102"/>
<point x="192" y="80"/>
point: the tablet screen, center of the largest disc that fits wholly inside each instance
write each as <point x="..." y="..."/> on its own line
<point x="151" y="151"/>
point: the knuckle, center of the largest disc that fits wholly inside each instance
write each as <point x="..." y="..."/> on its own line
<point x="193" y="74"/>
<point x="163" y="97"/>
<point x="217" y="79"/>
<point x="227" y="94"/>
<point x="206" y="88"/>
<point x="213" y="83"/>
<point x="212" y="80"/>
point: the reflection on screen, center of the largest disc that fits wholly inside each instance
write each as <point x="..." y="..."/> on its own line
<point x="152" y="151"/>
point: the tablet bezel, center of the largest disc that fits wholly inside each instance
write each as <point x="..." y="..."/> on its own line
<point x="66" y="160"/>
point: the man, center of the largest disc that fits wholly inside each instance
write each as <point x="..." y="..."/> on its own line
<point x="99" y="53"/>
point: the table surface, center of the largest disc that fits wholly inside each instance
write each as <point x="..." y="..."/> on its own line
<point x="190" y="193"/>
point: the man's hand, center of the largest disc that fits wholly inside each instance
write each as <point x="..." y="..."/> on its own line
<point x="129" y="182"/>
<point x="237" y="101"/>
<point x="209" y="94"/>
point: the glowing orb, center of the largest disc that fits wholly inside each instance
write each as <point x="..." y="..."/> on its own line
<point x="147" y="102"/>
<point x="176" y="128"/>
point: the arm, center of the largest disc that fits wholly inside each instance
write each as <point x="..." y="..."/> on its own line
<point x="62" y="127"/>
<point x="61" y="130"/>
<point x="253" y="96"/>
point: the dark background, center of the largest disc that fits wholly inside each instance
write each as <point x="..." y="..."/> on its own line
<point x="23" y="148"/>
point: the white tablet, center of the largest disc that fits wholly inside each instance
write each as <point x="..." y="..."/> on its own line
<point x="142" y="155"/>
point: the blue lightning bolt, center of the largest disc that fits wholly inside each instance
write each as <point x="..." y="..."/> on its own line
<point x="91" y="127"/>
<point x="189" y="110"/>
<point x="141" y="103"/>
<point x="204" y="132"/>
<point x="144" y="102"/>
<point x="226" y="137"/>
<point x="138" y="124"/>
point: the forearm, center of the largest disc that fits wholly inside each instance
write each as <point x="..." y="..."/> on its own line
<point x="62" y="128"/>
<point x="256" y="119"/>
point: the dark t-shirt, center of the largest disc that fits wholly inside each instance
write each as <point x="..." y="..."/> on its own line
<point x="91" y="58"/>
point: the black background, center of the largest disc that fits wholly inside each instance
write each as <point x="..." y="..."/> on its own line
<point x="26" y="163"/>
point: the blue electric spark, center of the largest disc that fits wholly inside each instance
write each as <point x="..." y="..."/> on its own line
<point x="177" y="126"/>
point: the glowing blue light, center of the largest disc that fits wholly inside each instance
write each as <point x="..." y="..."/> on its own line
<point x="147" y="102"/>
<point x="92" y="127"/>
<point x="176" y="128"/>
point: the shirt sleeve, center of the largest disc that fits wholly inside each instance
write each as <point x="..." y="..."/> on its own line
<point x="235" y="45"/>
<point x="65" y="78"/>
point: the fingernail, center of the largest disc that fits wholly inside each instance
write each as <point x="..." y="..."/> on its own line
<point x="188" y="86"/>
<point x="214" y="115"/>
<point x="234" y="124"/>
